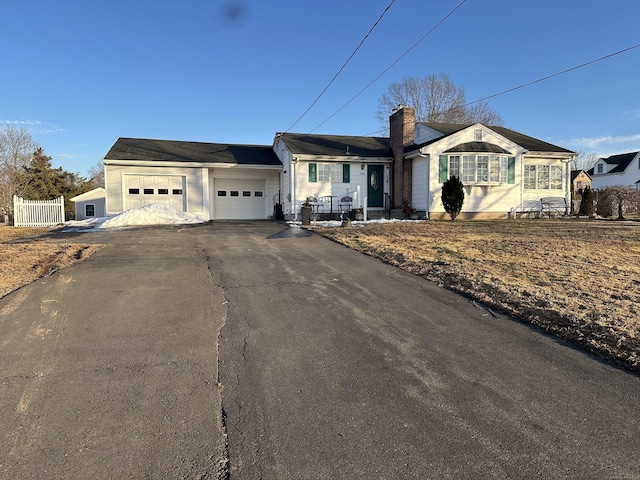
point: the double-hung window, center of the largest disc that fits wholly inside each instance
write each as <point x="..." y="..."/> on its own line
<point x="329" y="172"/>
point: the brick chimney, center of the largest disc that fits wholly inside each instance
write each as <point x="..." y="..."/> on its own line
<point x="402" y="125"/>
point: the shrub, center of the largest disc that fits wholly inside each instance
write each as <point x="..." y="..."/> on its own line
<point x="453" y="196"/>
<point x="586" y="204"/>
<point x="604" y="203"/>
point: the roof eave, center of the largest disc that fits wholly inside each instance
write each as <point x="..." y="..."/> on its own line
<point x="156" y="163"/>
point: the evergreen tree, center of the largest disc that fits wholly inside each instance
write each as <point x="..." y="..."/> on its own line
<point x="453" y="196"/>
<point x="586" y="204"/>
<point x="40" y="181"/>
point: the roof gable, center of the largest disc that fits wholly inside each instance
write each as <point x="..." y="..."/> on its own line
<point x="336" y="145"/>
<point x="621" y="161"/>
<point x="189" y="152"/>
<point x="525" y="141"/>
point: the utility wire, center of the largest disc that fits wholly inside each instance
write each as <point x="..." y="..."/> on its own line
<point x="547" y="77"/>
<point x="389" y="67"/>
<point x="590" y="62"/>
<point x="342" y="67"/>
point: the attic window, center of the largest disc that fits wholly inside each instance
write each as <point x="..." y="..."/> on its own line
<point x="600" y="168"/>
<point x="477" y="135"/>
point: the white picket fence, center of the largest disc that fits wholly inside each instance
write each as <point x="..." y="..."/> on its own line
<point x="37" y="213"/>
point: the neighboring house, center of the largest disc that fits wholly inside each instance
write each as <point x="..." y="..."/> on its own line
<point x="579" y="181"/>
<point x="504" y="172"/>
<point x="215" y="181"/>
<point x="90" y="204"/>
<point x="623" y="169"/>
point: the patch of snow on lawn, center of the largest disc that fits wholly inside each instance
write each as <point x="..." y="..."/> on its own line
<point x="354" y="223"/>
<point x="153" y="214"/>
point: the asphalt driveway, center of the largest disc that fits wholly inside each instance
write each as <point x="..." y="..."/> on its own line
<point x="320" y="361"/>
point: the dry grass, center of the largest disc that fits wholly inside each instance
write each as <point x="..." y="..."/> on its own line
<point x="24" y="257"/>
<point x="576" y="279"/>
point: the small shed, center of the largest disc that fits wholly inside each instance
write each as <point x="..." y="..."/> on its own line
<point x="90" y="204"/>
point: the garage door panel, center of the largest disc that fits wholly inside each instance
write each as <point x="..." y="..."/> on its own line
<point x="241" y="199"/>
<point x="143" y="190"/>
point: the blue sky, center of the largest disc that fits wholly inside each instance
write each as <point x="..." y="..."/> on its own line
<point x="78" y="75"/>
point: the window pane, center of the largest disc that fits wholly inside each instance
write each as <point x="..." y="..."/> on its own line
<point x="177" y="191"/>
<point x="543" y="177"/>
<point x="483" y="168"/>
<point x="494" y="169"/>
<point x="234" y="193"/>
<point x="257" y="193"/>
<point x="163" y="191"/>
<point x="529" y="177"/>
<point x="556" y="178"/>
<point x="222" y="193"/>
<point x="468" y="168"/>
<point x="148" y="191"/>
<point x="89" y="211"/>
<point x="454" y="166"/>
<point x="134" y="191"/>
<point x="504" y="169"/>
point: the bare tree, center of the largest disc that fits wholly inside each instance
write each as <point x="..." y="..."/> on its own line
<point x="96" y="175"/>
<point x="16" y="150"/>
<point x="435" y="98"/>
<point x="584" y="161"/>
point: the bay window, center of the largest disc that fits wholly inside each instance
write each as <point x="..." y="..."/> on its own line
<point x="478" y="169"/>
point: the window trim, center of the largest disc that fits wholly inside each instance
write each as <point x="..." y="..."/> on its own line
<point x="86" y="212"/>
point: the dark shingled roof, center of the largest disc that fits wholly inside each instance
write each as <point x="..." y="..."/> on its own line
<point x="620" y="161"/>
<point x="199" y="152"/>
<point x="479" y="147"/>
<point x="525" y="141"/>
<point x="336" y="145"/>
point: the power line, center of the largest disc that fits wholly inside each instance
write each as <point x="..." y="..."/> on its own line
<point x="590" y="62"/>
<point x="389" y="67"/>
<point x="547" y="77"/>
<point x="343" y="66"/>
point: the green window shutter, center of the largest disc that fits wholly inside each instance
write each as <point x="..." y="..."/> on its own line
<point x="444" y="168"/>
<point x="313" y="172"/>
<point x="346" y="173"/>
<point x="511" y="175"/>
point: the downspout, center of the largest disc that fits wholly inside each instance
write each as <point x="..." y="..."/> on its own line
<point x="292" y="185"/>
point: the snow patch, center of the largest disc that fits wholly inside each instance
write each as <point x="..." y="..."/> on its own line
<point x="153" y="214"/>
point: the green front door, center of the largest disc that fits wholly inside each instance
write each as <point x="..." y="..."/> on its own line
<point x="375" y="192"/>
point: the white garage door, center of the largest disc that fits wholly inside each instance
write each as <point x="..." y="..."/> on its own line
<point x="146" y="189"/>
<point x="240" y="199"/>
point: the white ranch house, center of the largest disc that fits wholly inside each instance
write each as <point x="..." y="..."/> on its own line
<point x="504" y="172"/>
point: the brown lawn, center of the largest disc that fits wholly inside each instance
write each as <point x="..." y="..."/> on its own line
<point x="576" y="279"/>
<point x="24" y="257"/>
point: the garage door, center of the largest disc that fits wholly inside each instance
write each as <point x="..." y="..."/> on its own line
<point x="240" y="199"/>
<point x="146" y="189"/>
